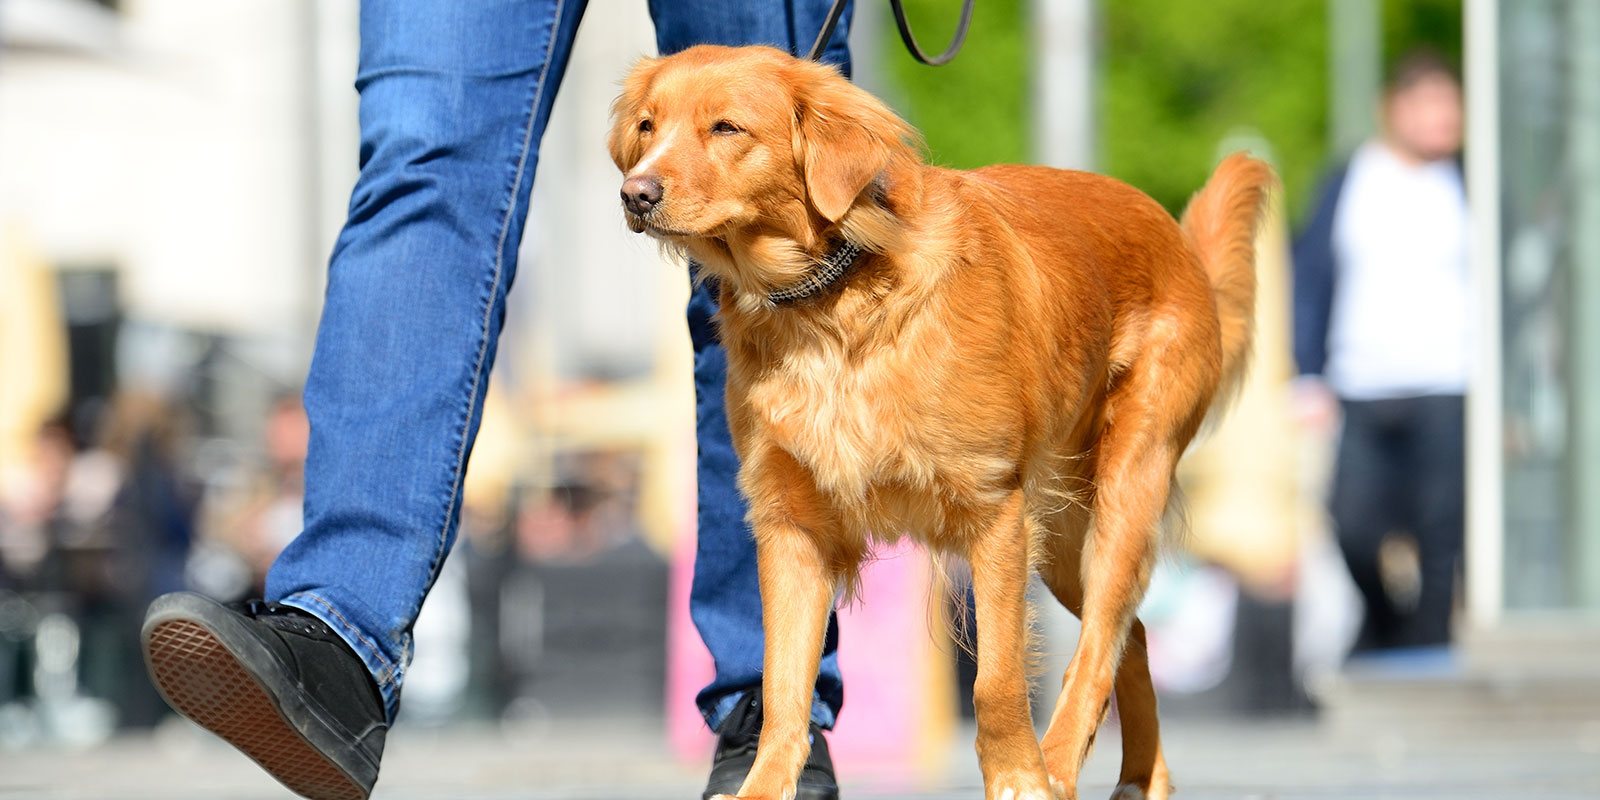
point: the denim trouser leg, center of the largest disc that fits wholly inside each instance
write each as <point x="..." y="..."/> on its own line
<point x="454" y="98"/>
<point x="725" y="600"/>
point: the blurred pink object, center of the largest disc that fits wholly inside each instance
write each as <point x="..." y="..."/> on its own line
<point x="887" y="654"/>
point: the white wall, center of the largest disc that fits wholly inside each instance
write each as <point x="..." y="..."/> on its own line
<point x="207" y="150"/>
<point x="173" y="154"/>
<point x="593" y="294"/>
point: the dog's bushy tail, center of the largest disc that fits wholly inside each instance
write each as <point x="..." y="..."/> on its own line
<point x="1221" y="221"/>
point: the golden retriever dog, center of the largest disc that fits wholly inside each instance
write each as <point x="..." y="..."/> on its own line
<point x="1004" y="363"/>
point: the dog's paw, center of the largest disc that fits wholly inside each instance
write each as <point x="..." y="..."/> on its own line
<point x="1006" y="790"/>
<point x="1061" y="790"/>
<point x="1158" y="790"/>
<point x="1009" y="793"/>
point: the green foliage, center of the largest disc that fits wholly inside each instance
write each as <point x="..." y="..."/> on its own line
<point x="973" y="110"/>
<point x="1178" y="78"/>
<point x="1412" y="23"/>
<point x="1175" y="80"/>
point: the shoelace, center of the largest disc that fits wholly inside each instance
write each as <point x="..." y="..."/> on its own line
<point x="277" y="614"/>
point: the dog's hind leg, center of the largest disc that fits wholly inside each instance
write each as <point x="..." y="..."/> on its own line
<point x="1152" y="411"/>
<point x="1144" y="769"/>
<point x="1101" y="575"/>
<point x="1008" y="752"/>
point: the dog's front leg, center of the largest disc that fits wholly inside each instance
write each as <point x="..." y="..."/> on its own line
<point x="1013" y="766"/>
<point x="797" y="592"/>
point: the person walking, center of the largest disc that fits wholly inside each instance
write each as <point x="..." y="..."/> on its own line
<point x="1382" y="340"/>
<point x="454" y="99"/>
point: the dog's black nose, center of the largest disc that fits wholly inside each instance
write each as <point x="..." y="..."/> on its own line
<point x="641" y="193"/>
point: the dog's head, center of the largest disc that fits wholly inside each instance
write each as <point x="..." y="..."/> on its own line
<point x="750" y="159"/>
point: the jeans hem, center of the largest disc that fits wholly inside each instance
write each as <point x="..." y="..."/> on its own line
<point x="717" y="711"/>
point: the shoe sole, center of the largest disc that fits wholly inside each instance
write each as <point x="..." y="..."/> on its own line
<point x="206" y="674"/>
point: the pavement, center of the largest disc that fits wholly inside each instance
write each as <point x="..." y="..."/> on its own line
<point x="628" y="760"/>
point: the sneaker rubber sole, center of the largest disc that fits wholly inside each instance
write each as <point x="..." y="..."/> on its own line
<point x="210" y="668"/>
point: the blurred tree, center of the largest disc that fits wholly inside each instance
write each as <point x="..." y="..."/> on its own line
<point x="1413" y="23"/>
<point x="1175" y="80"/>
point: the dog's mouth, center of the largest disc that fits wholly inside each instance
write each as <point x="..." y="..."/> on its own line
<point x="646" y="223"/>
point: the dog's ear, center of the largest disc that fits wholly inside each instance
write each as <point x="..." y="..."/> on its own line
<point x="626" y="149"/>
<point x="843" y="139"/>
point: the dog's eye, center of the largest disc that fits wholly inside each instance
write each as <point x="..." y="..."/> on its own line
<point x="646" y="126"/>
<point x="724" y="127"/>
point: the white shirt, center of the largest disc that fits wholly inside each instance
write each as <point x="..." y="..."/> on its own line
<point x="1401" y="321"/>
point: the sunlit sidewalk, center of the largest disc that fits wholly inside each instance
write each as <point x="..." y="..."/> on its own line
<point x="629" y="761"/>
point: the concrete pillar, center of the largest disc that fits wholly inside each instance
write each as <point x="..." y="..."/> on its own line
<point x="1063" y="83"/>
<point x="1485" y="559"/>
<point x="1583" y="153"/>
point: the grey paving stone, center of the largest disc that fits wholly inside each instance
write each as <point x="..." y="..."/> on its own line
<point x="626" y="760"/>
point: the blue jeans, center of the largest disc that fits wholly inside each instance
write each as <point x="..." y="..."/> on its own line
<point x="454" y="99"/>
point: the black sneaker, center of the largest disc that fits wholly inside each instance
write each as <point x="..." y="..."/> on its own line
<point x="275" y="682"/>
<point x="736" y="754"/>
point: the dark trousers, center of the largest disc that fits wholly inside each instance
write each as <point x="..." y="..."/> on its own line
<point x="1401" y="469"/>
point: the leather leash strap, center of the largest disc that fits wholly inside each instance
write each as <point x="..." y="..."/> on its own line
<point x="905" y="33"/>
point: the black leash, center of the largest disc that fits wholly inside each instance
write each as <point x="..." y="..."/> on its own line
<point x="905" y="33"/>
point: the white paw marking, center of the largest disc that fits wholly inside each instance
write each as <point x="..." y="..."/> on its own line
<point x="1127" y="791"/>
<point x="1058" y="787"/>
<point x="1009" y="793"/>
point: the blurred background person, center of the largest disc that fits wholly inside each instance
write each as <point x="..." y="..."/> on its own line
<point x="270" y="516"/>
<point x="33" y="506"/>
<point x="138" y="548"/>
<point x="94" y="534"/>
<point x="1382" y="340"/>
